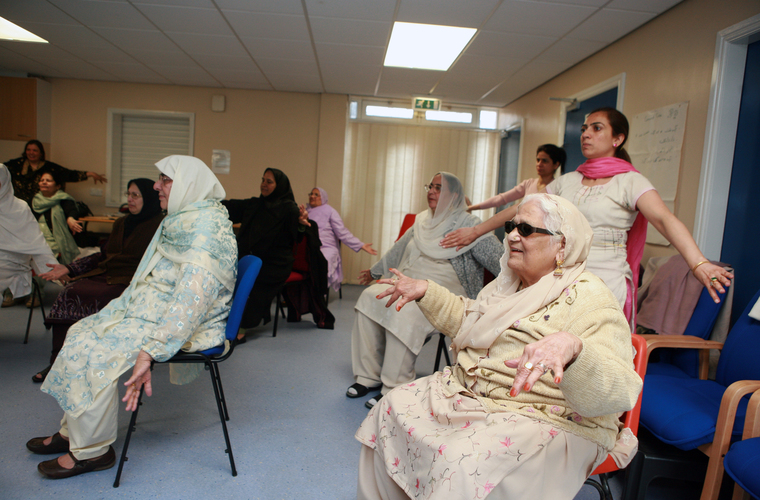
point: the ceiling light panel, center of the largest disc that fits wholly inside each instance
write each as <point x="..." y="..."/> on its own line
<point x="426" y="46"/>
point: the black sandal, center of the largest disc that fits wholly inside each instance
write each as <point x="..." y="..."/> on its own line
<point x="39" y="378"/>
<point x="357" y="390"/>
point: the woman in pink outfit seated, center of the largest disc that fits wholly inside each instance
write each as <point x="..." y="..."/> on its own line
<point x="618" y="201"/>
<point x="332" y="232"/>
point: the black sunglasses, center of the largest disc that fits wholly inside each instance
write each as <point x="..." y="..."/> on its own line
<point x="524" y="229"/>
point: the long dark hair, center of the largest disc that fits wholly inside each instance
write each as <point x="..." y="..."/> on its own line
<point x="619" y="124"/>
<point x="556" y="153"/>
<point x="39" y="145"/>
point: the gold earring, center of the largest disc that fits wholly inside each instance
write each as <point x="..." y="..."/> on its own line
<point x="559" y="271"/>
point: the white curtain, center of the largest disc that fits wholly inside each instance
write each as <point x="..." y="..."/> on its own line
<point x="386" y="167"/>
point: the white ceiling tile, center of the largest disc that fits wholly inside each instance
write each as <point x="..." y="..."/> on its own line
<point x="571" y="51"/>
<point x="467" y="14"/>
<point x="482" y="67"/>
<point x="265" y="25"/>
<point x="205" y="4"/>
<point x="337" y="54"/>
<point x="208" y="44"/>
<point x="288" y="66"/>
<point x="368" y="10"/>
<point x="107" y="53"/>
<point x="216" y="62"/>
<point x="346" y="79"/>
<point x="402" y="88"/>
<point x="136" y="40"/>
<point x="43" y="53"/>
<point x="462" y="91"/>
<point x="534" y="18"/>
<point x="608" y="25"/>
<point x="329" y="30"/>
<point x="34" y="11"/>
<point x="426" y="77"/>
<point x="274" y="7"/>
<point x="155" y="58"/>
<point x="105" y="14"/>
<point x="134" y="70"/>
<point x="238" y="75"/>
<point x="278" y="49"/>
<point x="246" y="84"/>
<point x="186" y="19"/>
<point x="67" y="35"/>
<point x="587" y="3"/>
<point x="509" y="45"/>
<point x="654" y="6"/>
<point x="186" y="75"/>
<point x="529" y="77"/>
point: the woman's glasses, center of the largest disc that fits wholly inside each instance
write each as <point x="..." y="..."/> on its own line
<point x="164" y="179"/>
<point x="524" y="229"/>
<point x="134" y="196"/>
<point x="436" y="188"/>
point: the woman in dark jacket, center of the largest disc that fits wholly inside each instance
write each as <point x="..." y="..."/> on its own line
<point x="269" y="227"/>
<point x="101" y="277"/>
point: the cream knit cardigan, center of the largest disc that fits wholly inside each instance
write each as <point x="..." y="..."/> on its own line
<point x="596" y="387"/>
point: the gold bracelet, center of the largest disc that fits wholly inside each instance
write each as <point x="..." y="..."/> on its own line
<point x="693" y="269"/>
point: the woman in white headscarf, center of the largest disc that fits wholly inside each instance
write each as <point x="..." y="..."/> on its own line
<point x="22" y="244"/>
<point x="179" y="298"/>
<point x="385" y="345"/>
<point x="544" y="366"/>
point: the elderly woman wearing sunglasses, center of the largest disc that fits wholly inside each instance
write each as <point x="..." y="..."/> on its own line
<point x="385" y="346"/>
<point x="544" y="366"/>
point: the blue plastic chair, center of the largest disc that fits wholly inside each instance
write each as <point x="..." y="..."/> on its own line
<point x="690" y="413"/>
<point x="742" y="462"/>
<point x="248" y="270"/>
<point x="685" y="362"/>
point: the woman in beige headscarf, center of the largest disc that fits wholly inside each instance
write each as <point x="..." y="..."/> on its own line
<point x="544" y="365"/>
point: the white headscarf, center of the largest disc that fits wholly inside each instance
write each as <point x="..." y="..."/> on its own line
<point x="450" y="214"/>
<point x="193" y="182"/>
<point x="500" y="304"/>
<point x="19" y="230"/>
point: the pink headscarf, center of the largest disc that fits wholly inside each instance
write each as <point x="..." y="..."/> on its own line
<point x="597" y="168"/>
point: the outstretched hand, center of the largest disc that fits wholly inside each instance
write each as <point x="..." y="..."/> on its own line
<point x="140" y="378"/>
<point x="552" y="353"/>
<point x="403" y="289"/>
<point x="714" y="278"/>
<point x="58" y="272"/>
<point x="459" y="238"/>
<point x="367" y="247"/>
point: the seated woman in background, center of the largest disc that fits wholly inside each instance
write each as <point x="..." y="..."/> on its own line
<point x="99" y="278"/>
<point x="544" y="366"/>
<point x="57" y="213"/>
<point x="27" y="169"/>
<point x="384" y="346"/>
<point x="331" y="233"/>
<point x="179" y="298"/>
<point x="549" y="158"/>
<point x="22" y="246"/>
<point x="268" y="230"/>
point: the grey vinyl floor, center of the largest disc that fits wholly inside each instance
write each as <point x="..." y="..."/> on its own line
<point x="291" y="424"/>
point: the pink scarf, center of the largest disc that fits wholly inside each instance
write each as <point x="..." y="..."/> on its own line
<point x="597" y="168"/>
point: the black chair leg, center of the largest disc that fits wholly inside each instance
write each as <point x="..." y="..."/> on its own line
<point x="340" y="292"/>
<point x="276" y="314"/>
<point x="218" y="378"/>
<point x="36" y="292"/>
<point x="598" y="487"/>
<point x="131" y="428"/>
<point x="224" y="425"/>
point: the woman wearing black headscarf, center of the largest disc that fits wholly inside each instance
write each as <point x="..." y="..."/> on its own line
<point x="268" y="230"/>
<point x="100" y="278"/>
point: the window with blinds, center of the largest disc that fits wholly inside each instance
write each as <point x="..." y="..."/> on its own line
<point x="137" y="140"/>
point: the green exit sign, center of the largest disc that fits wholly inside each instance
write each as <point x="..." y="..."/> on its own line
<point x="426" y="103"/>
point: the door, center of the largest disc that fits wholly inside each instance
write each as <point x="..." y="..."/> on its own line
<point x="741" y="239"/>
<point x="509" y="158"/>
<point x="573" y="122"/>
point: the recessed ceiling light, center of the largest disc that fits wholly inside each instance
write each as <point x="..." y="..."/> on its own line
<point x="10" y="31"/>
<point x="426" y="46"/>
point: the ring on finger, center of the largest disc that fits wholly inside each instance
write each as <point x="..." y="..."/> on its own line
<point x="528" y="365"/>
<point x="542" y="366"/>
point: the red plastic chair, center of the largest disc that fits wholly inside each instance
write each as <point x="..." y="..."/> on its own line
<point x="630" y="419"/>
<point x="300" y="272"/>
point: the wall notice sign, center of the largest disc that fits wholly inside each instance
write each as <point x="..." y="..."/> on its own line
<point x="655" y="148"/>
<point x="220" y="161"/>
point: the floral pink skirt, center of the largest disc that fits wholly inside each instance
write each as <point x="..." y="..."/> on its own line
<point x="434" y="446"/>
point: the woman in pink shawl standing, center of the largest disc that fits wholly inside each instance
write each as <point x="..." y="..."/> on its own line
<point x="618" y="201"/>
